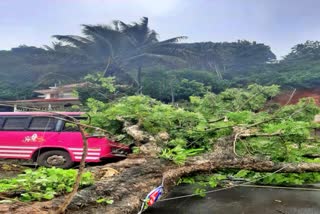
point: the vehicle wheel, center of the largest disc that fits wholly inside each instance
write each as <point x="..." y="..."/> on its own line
<point x="55" y="158"/>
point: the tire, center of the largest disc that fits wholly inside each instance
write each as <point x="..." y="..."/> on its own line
<point x="55" y="158"/>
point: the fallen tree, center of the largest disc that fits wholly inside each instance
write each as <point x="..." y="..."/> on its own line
<point x="136" y="176"/>
<point x="173" y="142"/>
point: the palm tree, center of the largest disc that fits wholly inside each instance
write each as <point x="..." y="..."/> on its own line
<point x="126" y="47"/>
<point x="144" y="48"/>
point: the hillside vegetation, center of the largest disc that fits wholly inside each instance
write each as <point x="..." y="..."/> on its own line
<point x="133" y="54"/>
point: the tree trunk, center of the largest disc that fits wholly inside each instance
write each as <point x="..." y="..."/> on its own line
<point x="128" y="182"/>
<point x="172" y="93"/>
<point x="139" y="79"/>
<point x="218" y="71"/>
<point x="215" y="68"/>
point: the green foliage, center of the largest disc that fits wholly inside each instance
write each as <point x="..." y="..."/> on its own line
<point x="185" y="128"/>
<point x="128" y="48"/>
<point x="137" y="58"/>
<point x="135" y="150"/>
<point x="44" y="183"/>
<point x="153" y="115"/>
<point x="299" y="69"/>
<point x="282" y="179"/>
<point x="235" y="99"/>
<point x="242" y="173"/>
<point x="288" y="127"/>
<point x="129" y="51"/>
<point x="98" y="87"/>
<point x="309" y="50"/>
<point x="101" y="81"/>
<point x="178" y="151"/>
<point x="201" y="183"/>
<point x="192" y="132"/>
<point x="242" y="117"/>
<point x="178" y="85"/>
<point x="295" y="131"/>
<point x="179" y="154"/>
<point x="200" y="192"/>
<point x="186" y="180"/>
<point x="304" y="110"/>
<point x="105" y="201"/>
<point x="186" y="88"/>
<point x="229" y="59"/>
<point x="253" y="98"/>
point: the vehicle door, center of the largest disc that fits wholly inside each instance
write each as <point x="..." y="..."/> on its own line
<point x="20" y="136"/>
<point x="42" y="132"/>
<point x="11" y="138"/>
<point x="71" y="137"/>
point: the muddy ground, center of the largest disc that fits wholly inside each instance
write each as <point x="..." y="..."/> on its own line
<point x="10" y="169"/>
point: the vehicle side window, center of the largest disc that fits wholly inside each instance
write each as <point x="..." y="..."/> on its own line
<point x="15" y="123"/>
<point x="42" y="124"/>
<point x="70" y="127"/>
<point x="1" y="122"/>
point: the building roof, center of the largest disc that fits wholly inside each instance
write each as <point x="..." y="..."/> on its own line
<point x="56" y="100"/>
<point x="60" y="88"/>
<point x="37" y="113"/>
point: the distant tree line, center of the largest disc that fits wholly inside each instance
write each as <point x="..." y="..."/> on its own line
<point x="168" y="70"/>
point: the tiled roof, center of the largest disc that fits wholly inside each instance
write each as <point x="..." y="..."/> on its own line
<point x="42" y="100"/>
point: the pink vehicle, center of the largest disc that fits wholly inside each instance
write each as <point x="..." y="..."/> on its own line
<point x="51" y="141"/>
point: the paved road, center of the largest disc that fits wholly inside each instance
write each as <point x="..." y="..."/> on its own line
<point x="241" y="200"/>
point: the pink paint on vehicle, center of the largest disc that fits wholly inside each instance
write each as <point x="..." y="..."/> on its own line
<point x="50" y="140"/>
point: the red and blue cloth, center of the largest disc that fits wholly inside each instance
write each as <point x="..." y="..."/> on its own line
<point x="151" y="198"/>
<point x="154" y="195"/>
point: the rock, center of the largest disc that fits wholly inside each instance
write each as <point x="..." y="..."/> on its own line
<point x="108" y="172"/>
<point x="164" y="136"/>
<point x="151" y="149"/>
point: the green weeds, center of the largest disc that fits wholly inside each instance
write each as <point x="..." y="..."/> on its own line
<point x="43" y="183"/>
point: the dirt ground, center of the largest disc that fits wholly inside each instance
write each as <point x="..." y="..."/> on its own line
<point x="10" y="169"/>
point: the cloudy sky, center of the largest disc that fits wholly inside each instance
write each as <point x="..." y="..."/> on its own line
<point x="278" y="23"/>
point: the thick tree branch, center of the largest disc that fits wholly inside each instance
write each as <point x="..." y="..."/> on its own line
<point x="76" y="185"/>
